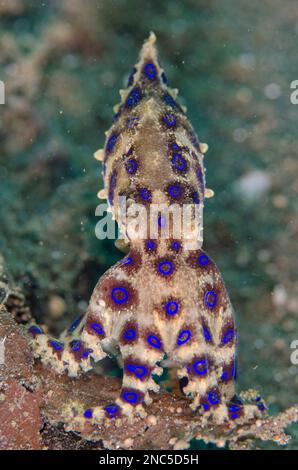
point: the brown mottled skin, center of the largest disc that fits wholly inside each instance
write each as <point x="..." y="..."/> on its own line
<point x="161" y="299"/>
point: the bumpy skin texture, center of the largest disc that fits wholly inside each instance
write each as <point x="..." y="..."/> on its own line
<point x="163" y="299"/>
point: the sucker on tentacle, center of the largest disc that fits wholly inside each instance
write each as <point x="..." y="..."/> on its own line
<point x="166" y="296"/>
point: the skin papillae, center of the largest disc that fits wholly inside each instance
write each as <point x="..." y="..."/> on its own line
<point x="166" y="298"/>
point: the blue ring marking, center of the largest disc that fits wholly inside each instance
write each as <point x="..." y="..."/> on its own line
<point x="145" y="194"/>
<point x="154" y="341"/>
<point x="111" y="142"/>
<point x="131" y="166"/>
<point x="207" y="334"/>
<point x="169" y="119"/>
<point x="134" y="97"/>
<point x="97" y="328"/>
<point x="176" y="246"/>
<point x="123" y="291"/>
<point x="112" y="409"/>
<point x="35" y="330"/>
<point x="130" y="397"/>
<point x="178" y="162"/>
<point x="164" y="78"/>
<point x="183" y="337"/>
<point x="88" y="413"/>
<point x="207" y="301"/>
<point x="150" y="245"/>
<point x="203" y="260"/>
<point x="213" y="398"/>
<point x="175" y="191"/>
<point x="127" y="261"/>
<point x="139" y="371"/>
<point x="130" y="334"/>
<point x="74" y="324"/>
<point x="229" y="335"/>
<point x="172" y="307"/>
<point x="165" y="268"/>
<point x="198" y="364"/>
<point x="75" y="345"/>
<point x="168" y="99"/>
<point x="150" y="70"/>
<point x="56" y="345"/>
<point x="196" y="197"/>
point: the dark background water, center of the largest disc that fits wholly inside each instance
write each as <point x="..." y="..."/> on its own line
<point x="63" y="63"/>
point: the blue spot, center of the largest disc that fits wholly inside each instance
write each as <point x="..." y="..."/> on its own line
<point x="127" y="261"/>
<point x="234" y="416"/>
<point x="183" y="337"/>
<point x="161" y="220"/>
<point x="206" y="406"/>
<point x="210" y="298"/>
<point x="195" y="197"/>
<point x="123" y="295"/>
<point x="224" y="375"/>
<point x="111" y="409"/>
<point x="75" y="345"/>
<point x="134" y="97"/>
<point x="35" y="330"/>
<point x="261" y="406"/>
<point x="131" y="166"/>
<point x="150" y="244"/>
<point x="164" y="78"/>
<point x="229" y="335"/>
<point x="150" y="71"/>
<point x="139" y="371"/>
<point x="165" y="268"/>
<point x="203" y="260"/>
<point x="175" y="146"/>
<point x="130" y="397"/>
<point x="112" y="185"/>
<point x="258" y="398"/>
<point x="130" y="78"/>
<point x="168" y="99"/>
<point x="207" y="334"/>
<point x="56" y="345"/>
<point x="234" y="408"/>
<point x="130" y="334"/>
<point x="178" y="162"/>
<point x="213" y="398"/>
<point x="88" y="413"/>
<point x="172" y="307"/>
<point x="154" y="341"/>
<point x="176" y="246"/>
<point x="169" y="119"/>
<point x="200" y="367"/>
<point x="175" y="191"/>
<point x="145" y="194"/>
<point x="111" y="142"/>
<point x="74" y="324"/>
<point x="97" y="328"/>
<point x="87" y="353"/>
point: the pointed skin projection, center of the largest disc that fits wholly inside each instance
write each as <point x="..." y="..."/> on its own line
<point x="166" y="297"/>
